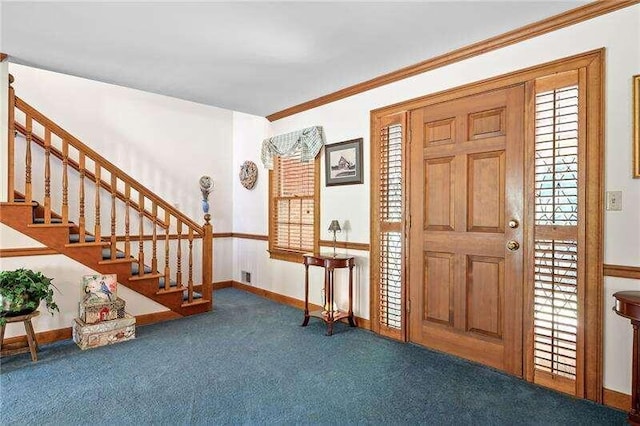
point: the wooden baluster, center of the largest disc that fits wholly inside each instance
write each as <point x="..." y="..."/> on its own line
<point x="154" y="247"/>
<point x="127" y="224"/>
<point x="47" y="176"/>
<point x="114" y="182"/>
<point x="141" y="229"/>
<point x="190" y="291"/>
<point x="27" y="161"/>
<point x="207" y="259"/>
<point x="97" y="229"/>
<point x="65" y="181"/>
<point x="167" y="270"/>
<point x="179" y="253"/>
<point x="11" y="172"/>
<point x="81" y="221"/>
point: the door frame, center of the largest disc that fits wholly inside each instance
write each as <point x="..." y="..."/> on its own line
<point x="591" y="67"/>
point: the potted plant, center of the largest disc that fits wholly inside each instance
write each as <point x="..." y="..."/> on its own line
<point x="21" y="292"/>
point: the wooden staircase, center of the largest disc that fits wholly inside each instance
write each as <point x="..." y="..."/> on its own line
<point x="161" y="228"/>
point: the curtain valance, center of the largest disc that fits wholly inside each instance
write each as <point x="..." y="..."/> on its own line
<point x="309" y="141"/>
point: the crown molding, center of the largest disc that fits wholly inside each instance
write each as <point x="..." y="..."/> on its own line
<point x="553" y="23"/>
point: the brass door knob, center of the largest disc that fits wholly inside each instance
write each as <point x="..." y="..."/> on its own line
<point x="513" y="223"/>
<point x="513" y="245"/>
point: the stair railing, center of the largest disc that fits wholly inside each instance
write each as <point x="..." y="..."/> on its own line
<point x="145" y="208"/>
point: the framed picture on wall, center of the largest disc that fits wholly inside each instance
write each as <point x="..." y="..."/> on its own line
<point x="343" y="163"/>
<point x="636" y="126"/>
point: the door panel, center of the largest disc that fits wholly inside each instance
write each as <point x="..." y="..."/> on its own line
<point x="485" y="295"/>
<point x="466" y="182"/>
<point x="438" y="278"/>
<point x="438" y="197"/>
<point x="486" y="192"/>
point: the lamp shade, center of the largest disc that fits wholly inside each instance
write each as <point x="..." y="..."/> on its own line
<point x="334" y="226"/>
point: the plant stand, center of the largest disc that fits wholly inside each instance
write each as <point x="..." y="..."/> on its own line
<point x="31" y="336"/>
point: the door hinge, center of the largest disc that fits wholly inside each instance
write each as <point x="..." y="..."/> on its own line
<point x="408" y="306"/>
<point x="409" y="221"/>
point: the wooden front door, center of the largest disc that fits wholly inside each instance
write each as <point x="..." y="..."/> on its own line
<point x="466" y="207"/>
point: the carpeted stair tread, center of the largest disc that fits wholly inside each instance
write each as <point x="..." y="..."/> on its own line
<point x="106" y="254"/>
<point x="172" y="283"/>
<point x="135" y="269"/>
<point x="185" y="295"/>
<point x="39" y="220"/>
<point x="75" y="238"/>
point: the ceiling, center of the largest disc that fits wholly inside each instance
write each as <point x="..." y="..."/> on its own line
<point x="253" y="57"/>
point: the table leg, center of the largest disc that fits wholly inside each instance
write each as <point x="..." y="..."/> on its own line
<point x="31" y="338"/>
<point x="329" y="278"/>
<point x="305" y="322"/>
<point x="634" y="414"/>
<point x="352" y="320"/>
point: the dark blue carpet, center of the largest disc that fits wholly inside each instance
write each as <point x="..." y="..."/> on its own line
<point x="250" y="362"/>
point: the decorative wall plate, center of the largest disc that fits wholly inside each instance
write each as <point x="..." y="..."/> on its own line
<point x="248" y="174"/>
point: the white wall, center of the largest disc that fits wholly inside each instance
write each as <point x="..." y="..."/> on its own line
<point x="4" y="96"/>
<point x="67" y="277"/>
<point x="349" y="118"/>
<point x="164" y="143"/>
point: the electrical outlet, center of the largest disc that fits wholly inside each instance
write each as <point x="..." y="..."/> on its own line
<point x="246" y="277"/>
<point x="614" y="201"/>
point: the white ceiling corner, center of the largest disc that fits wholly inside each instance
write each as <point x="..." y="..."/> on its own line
<point x="253" y="57"/>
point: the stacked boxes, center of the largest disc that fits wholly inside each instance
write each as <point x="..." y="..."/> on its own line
<point x="102" y="318"/>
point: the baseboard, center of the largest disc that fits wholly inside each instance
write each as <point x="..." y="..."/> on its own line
<point x="155" y="317"/>
<point x="51" y="336"/>
<point x="291" y="301"/>
<point x="615" y="399"/>
<point x="222" y="284"/>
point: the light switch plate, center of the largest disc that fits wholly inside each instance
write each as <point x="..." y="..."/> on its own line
<point x="614" y="201"/>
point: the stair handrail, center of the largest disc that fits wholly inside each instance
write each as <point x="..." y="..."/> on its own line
<point x="105" y="164"/>
<point x="90" y="175"/>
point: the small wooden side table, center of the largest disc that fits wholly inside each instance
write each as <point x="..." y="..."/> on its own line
<point x="628" y="306"/>
<point x="31" y="336"/>
<point x="329" y="263"/>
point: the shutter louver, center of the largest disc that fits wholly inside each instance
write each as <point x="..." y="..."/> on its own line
<point x="555" y="234"/>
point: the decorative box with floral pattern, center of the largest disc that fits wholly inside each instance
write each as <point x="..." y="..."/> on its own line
<point x="93" y="313"/>
<point x="89" y="336"/>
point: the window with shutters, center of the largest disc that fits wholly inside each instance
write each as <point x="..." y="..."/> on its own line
<point x="294" y="207"/>
<point x="387" y="218"/>
<point x="557" y="205"/>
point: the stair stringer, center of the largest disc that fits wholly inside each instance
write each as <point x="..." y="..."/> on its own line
<point x="19" y="216"/>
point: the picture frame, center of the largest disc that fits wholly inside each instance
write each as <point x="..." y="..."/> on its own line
<point x="344" y="163"/>
<point x="636" y="126"/>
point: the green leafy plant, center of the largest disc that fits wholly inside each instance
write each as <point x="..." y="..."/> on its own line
<point x="22" y="290"/>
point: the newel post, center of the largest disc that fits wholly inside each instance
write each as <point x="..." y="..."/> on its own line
<point x="11" y="142"/>
<point x="206" y="186"/>
<point x="207" y="259"/>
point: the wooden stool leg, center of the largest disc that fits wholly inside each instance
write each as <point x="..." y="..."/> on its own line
<point x="2" y="327"/>
<point x="31" y="338"/>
